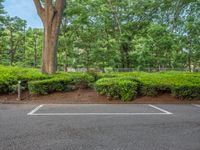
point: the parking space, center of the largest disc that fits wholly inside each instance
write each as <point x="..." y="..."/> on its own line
<point x="97" y="109"/>
<point x="100" y="127"/>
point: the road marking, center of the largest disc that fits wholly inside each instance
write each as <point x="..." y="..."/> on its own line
<point x="95" y="114"/>
<point x="166" y="112"/>
<point x="196" y="105"/>
<point x="35" y="109"/>
<point x="33" y="113"/>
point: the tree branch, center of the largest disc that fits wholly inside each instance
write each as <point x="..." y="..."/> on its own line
<point x="40" y="9"/>
<point x="59" y="11"/>
<point x="60" y="5"/>
<point x="115" y="16"/>
<point x="48" y="4"/>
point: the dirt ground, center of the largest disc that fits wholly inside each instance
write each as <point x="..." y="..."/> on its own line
<point x="89" y="96"/>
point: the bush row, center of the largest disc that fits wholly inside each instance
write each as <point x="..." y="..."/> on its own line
<point x="179" y="84"/>
<point x="60" y="82"/>
<point x="9" y="77"/>
<point x="114" y="85"/>
<point x="117" y="88"/>
<point x="49" y="85"/>
<point x="38" y="83"/>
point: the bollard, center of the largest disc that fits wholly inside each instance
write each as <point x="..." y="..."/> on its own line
<point x="19" y="91"/>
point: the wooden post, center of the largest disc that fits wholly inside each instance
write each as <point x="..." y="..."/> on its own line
<point x="19" y="91"/>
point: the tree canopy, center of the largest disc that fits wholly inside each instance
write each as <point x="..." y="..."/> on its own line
<point x="139" y="34"/>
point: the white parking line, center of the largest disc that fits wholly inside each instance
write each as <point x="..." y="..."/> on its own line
<point x="34" y="113"/>
<point x="95" y="114"/>
<point x="34" y="110"/>
<point x="167" y="112"/>
<point x="196" y="105"/>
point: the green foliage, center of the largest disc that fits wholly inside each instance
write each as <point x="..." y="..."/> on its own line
<point x="39" y="83"/>
<point x="131" y="34"/>
<point x="124" y="89"/>
<point x="144" y="35"/>
<point x="78" y="79"/>
<point x="60" y="82"/>
<point x="153" y="85"/>
<point x="188" y="91"/>
<point x="115" y="85"/>
<point x="179" y="84"/>
<point x="56" y="84"/>
<point x="9" y="77"/>
<point x="184" y="85"/>
<point x="1" y="12"/>
<point x="121" y="34"/>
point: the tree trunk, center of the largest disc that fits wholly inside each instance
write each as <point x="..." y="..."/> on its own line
<point x="11" y="49"/>
<point x="65" y="67"/>
<point x="51" y="17"/>
<point x="35" y="52"/>
<point x="126" y="55"/>
<point x="189" y="57"/>
<point x="49" y="54"/>
<point x="87" y="60"/>
<point x="189" y="63"/>
<point x="65" y="63"/>
<point x="115" y="16"/>
<point x="24" y="55"/>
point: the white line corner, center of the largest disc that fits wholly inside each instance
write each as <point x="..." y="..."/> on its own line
<point x="34" y="110"/>
<point x="160" y="109"/>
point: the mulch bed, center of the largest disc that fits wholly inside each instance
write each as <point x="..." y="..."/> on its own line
<point x="88" y="96"/>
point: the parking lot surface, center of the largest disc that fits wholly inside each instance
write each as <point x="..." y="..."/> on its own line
<point x="100" y="127"/>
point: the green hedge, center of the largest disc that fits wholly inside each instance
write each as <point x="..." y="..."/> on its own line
<point x="179" y="84"/>
<point x="82" y="79"/>
<point x="183" y="85"/>
<point x="9" y="77"/>
<point x="186" y="91"/>
<point x="60" y="82"/>
<point x="125" y="89"/>
<point x="152" y="84"/>
<point x="49" y="85"/>
<point x="32" y="79"/>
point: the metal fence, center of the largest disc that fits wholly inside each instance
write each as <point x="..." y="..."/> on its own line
<point x="107" y="70"/>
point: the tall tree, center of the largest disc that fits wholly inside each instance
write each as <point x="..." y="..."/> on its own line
<point x="51" y="13"/>
<point x="14" y="32"/>
<point x="1" y="12"/>
<point x="33" y="47"/>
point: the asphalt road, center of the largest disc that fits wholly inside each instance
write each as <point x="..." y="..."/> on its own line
<point x="100" y="127"/>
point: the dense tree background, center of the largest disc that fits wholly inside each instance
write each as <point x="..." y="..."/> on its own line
<point x="112" y="34"/>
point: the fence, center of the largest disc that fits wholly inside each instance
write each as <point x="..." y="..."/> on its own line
<point x="127" y="69"/>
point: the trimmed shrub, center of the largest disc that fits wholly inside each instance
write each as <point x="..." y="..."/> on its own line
<point x="9" y="77"/>
<point x="94" y="74"/>
<point x="49" y="85"/>
<point x="179" y="84"/>
<point x="186" y="91"/>
<point x="60" y="82"/>
<point x="121" y="74"/>
<point x="114" y="85"/>
<point x="117" y="88"/>
<point x="80" y="80"/>
<point x="152" y="85"/>
<point x="149" y="90"/>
